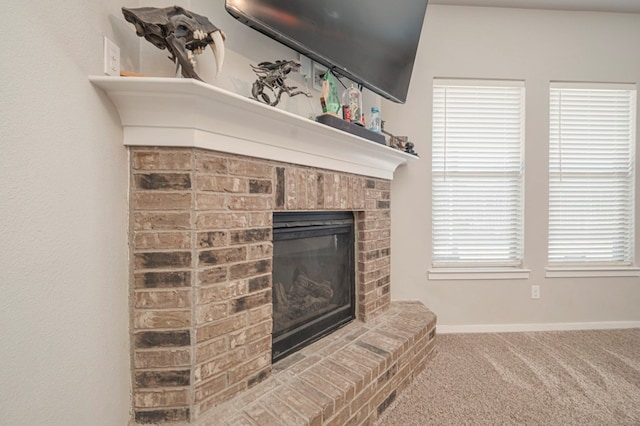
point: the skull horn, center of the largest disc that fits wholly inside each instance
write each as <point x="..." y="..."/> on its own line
<point x="217" y="47"/>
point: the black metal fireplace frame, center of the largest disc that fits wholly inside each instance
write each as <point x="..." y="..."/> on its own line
<point x="292" y="225"/>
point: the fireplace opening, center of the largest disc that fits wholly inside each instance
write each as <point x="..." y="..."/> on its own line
<point x="313" y="277"/>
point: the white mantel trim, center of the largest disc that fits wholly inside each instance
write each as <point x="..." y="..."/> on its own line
<point x="181" y="112"/>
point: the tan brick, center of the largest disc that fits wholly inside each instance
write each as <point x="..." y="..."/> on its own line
<point x="260" y="346"/>
<point x="344" y="192"/>
<point x="222" y="184"/>
<point x="154" y="200"/>
<point x="211" y="349"/>
<point x="249" y="202"/>
<point x="219" y="364"/>
<point x="261" y="219"/>
<point x="255" y="393"/>
<point x="220" y="398"/>
<point x="223" y="291"/>
<point x="221" y="327"/>
<point x="161" y="221"/>
<point x="250" y="169"/>
<point x="285" y="414"/>
<point x="211" y="163"/>
<point x="161" y="299"/>
<point x="325" y="402"/>
<point x="160" y="398"/>
<point x="260" y="314"/>
<point x="260" y="251"/>
<point x="222" y="220"/>
<point x="211" y="312"/>
<point x="301" y="188"/>
<point x="301" y="404"/>
<point x="312" y="190"/>
<point x="210" y="201"/>
<point x="341" y="418"/>
<point x="361" y="400"/>
<point x="250" y="334"/>
<point x="210" y="387"/>
<point x="161" y="319"/>
<point x="161" y="160"/>
<point x="262" y="416"/>
<point x="242" y="372"/>
<point x="162" y="240"/>
<point x="162" y="359"/>
<point x="344" y="384"/>
<point x="291" y="189"/>
<point x="325" y="386"/>
<point x="213" y="275"/>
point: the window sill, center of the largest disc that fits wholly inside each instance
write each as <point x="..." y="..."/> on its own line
<point x="591" y="272"/>
<point x="478" y="274"/>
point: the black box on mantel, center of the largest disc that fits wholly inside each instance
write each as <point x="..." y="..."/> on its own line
<point x="354" y="129"/>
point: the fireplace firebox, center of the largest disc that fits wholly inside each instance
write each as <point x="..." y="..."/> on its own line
<point x="313" y="277"/>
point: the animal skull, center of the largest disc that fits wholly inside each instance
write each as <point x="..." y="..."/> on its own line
<point x="183" y="33"/>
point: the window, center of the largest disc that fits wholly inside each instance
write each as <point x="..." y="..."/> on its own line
<point x="591" y="174"/>
<point x="477" y="173"/>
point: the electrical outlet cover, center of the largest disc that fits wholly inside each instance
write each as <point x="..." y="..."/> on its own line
<point x="111" y="58"/>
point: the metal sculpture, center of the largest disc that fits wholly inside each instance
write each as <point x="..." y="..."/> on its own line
<point x="271" y="76"/>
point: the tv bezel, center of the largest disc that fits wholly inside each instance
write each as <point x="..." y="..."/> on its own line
<point x="337" y="69"/>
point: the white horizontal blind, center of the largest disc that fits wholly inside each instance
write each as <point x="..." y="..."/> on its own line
<point x="591" y="174"/>
<point x="477" y="173"/>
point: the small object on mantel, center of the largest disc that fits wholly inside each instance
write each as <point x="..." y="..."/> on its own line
<point x="399" y="142"/>
<point x="330" y="94"/>
<point x="271" y="77"/>
<point x="354" y="129"/>
<point x="183" y="33"/>
<point x="131" y="74"/>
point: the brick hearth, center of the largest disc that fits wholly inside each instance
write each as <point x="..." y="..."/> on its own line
<point x="347" y="378"/>
<point x="201" y="236"/>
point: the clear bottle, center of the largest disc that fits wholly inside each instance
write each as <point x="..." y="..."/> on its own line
<point x="375" y="121"/>
<point x="352" y="97"/>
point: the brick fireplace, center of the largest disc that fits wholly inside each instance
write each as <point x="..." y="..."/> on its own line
<point x="202" y="196"/>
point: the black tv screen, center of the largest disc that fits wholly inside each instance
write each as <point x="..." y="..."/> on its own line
<point x="371" y="43"/>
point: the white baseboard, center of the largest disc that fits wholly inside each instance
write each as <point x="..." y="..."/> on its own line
<point x="513" y="328"/>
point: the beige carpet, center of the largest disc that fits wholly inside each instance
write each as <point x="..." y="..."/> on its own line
<point x="540" y="378"/>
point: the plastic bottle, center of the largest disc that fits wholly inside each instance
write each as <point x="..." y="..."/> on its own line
<point x="375" y="120"/>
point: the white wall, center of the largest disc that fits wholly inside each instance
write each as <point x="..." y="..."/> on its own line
<point x="537" y="47"/>
<point x="64" y="330"/>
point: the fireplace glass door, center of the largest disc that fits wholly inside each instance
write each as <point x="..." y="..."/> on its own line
<point x="313" y="277"/>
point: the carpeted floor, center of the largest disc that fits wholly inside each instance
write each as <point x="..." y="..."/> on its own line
<point x="539" y="378"/>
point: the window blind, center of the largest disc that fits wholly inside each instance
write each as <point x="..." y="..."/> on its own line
<point x="477" y="173"/>
<point x="591" y="174"/>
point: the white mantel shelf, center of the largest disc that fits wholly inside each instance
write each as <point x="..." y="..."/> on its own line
<point x="180" y="112"/>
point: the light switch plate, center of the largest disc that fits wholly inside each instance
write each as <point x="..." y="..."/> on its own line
<point x="111" y="58"/>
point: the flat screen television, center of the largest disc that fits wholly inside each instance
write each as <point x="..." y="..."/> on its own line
<point x="371" y="43"/>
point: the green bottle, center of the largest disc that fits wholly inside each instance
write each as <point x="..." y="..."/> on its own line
<point x="332" y="100"/>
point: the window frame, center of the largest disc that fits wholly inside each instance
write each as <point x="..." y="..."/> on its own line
<point x="566" y="269"/>
<point x="513" y="269"/>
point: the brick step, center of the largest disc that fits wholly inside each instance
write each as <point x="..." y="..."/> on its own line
<point x="347" y="378"/>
